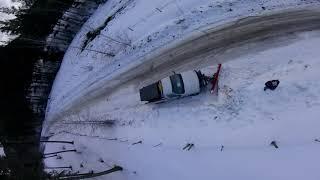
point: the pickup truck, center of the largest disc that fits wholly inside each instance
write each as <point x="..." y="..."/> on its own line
<point x="175" y="86"/>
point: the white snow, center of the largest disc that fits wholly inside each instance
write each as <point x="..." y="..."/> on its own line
<point x="87" y="73"/>
<point x="2" y="151"/>
<point x="244" y="119"/>
<point x="6" y="3"/>
<point x="4" y="37"/>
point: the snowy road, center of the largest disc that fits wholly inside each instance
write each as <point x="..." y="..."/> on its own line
<point x="211" y="46"/>
<point x="207" y="46"/>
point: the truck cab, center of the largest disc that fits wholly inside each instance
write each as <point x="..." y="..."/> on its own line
<point x="179" y="85"/>
<point x="172" y="87"/>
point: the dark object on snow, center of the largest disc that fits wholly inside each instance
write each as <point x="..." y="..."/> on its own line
<point x="101" y="160"/>
<point x="317" y="140"/>
<point x="59" y="167"/>
<point x="157" y="145"/>
<point x="151" y="93"/>
<point x="272" y="85"/>
<point x="188" y="146"/>
<point x="191" y="146"/>
<point x="222" y="147"/>
<point x="139" y="142"/>
<point x="59" y="152"/>
<point x="274" y="143"/>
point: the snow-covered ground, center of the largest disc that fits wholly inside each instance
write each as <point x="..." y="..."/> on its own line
<point x="85" y="75"/>
<point x="231" y="132"/>
<point x="4" y="37"/>
<point x="244" y="119"/>
<point x="2" y="152"/>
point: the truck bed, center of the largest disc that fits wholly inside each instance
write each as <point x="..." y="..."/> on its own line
<point x="150" y="93"/>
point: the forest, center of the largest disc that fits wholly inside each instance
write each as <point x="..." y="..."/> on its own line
<point x="29" y="64"/>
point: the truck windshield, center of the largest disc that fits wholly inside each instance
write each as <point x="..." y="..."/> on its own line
<point x="177" y="84"/>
